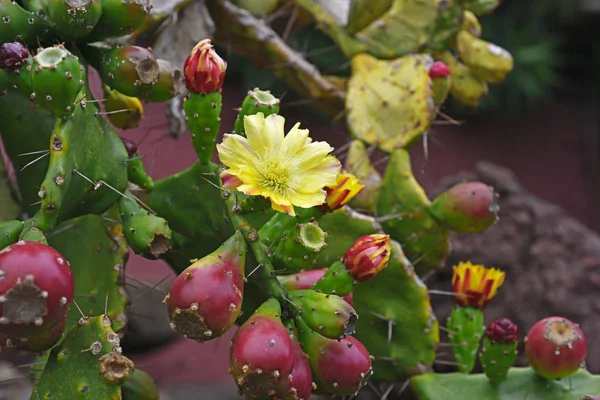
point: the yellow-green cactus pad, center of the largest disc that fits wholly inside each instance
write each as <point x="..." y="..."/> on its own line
<point x="486" y="61"/>
<point x="470" y="23"/>
<point x="390" y="103"/>
<point x="359" y="164"/>
<point x="465" y="88"/>
<point x="364" y="12"/>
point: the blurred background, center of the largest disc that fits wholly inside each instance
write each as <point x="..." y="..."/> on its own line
<point x="541" y="123"/>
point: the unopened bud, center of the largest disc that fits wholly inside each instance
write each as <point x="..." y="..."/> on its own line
<point x="368" y="256"/>
<point x="204" y="70"/>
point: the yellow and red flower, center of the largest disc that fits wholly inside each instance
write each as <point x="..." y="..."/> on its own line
<point x="475" y="285"/>
<point x="347" y="186"/>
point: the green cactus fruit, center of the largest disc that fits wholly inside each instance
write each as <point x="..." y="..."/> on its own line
<point x="193" y="204"/>
<point x="403" y="208"/>
<point x="256" y="101"/>
<point x="470" y="23"/>
<point x="169" y="84"/>
<point x="132" y="70"/>
<point x="336" y="280"/>
<point x="261" y="351"/>
<point x="382" y="91"/>
<point x="73" y="19"/>
<point x="256" y="209"/>
<point x="139" y="386"/>
<point x="447" y="24"/>
<point x="97" y="250"/>
<point x="467" y="207"/>
<point x="56" y="80"/>
<point x="311" y="280"/>
<point x="363" y="12"/>
<point x="206" y="298"/>
<point x="499" y="349"/>
<point x="340" y="367"/>
<point x="282" y="225"/>
<point x="203" y="120"/>
<point x="359" y="164"/>
<point x="15" y="67"/>
<point x="119" y="18"/>
<point x="87" y="172"/>
<point x="124" y="112"/>
<point x="481" y="7"/>
<point x="329" y="315"/>
<point x="90" y="355"/>
<point x="147" y="234"/>
<point x="31" y="233"/>
<point x="486" y="61"/>
<point x="441" y="80"/>
<point x="21" y="25"/>
<point x="299" y="248"/>
<point x="9" y="232"/>
<point x="135" y="168"/>
<point x="465" y="327"/>
<point x="521" y="383"/>
<point x="465" y="88"/>
<point x="18" y="81"/>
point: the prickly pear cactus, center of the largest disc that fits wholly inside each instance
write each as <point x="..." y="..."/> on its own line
<point x="317" y="260"/>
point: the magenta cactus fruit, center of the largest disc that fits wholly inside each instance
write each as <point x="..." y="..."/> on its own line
<point x="298" y="384"/>
<point x="130" y="146"/>
<point x="262" y="351"/>
<point x="36" y="288"/>
<point x="40" y="341"/>
<point x="555" y="347"/>
<point x="12" y="56"/>
<point x="305" y="279"/>
<point x="206" y="298"/>
<point x="502" y="330"/>
<point x="439" y="70"/>
<point x="467" y="207"/>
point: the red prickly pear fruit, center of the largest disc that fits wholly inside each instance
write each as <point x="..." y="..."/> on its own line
<point x="306" y="279"/>
<point x="40" y="341"/>
<point x="13" y="56"/>
<point x="36" y="289"/>
<point x="439" y="70"/>
<point x="555" y="347"/>
<point x="206" y="298"/>
<point x="339" y="367"/>
<point x="261" y="352"/>
<point x="467" y="207"/>
<point x="298" y="384"/>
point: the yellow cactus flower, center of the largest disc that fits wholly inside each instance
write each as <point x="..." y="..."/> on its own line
<point x="289" y="170"/>
<point x="347" y="186"/>
<point x="475" y="285"/>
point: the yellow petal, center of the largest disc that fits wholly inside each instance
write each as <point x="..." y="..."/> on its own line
<point x="289" y="210"/>
<point x="262" y="134"/>
<point x="233" y="152"/>
<point x="311" y="155"/>
<point x="294" y="140"/>
<point x="323" y="174"/>
<point x="307" y="200"/>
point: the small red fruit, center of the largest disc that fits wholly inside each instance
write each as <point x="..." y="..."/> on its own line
<point x="36" y="288"/>
<point x="502" y="330"/>
<point x="298" y="384"/>
<point x="555" y="347"/>
<point x="439" y="70"/>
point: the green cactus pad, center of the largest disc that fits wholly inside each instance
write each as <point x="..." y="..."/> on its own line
<point x="192" y="204"/>
<point x="465" y="326"/>
<point x="9" y="232"/>
<point x="146" y="233"/>
<point x="364" y="12"/>
<point x="359" y="164"/>
<point x="119" y="18"/>
<point x="486" y="61"/>
<point x="256" y="101"/>
<point x="397" y="324"/>
<point x="139" y="386"/>
<point x="522" y="383"/>
<point x="87" y="171"/>
<point x="329" y="315"/>
<point x="405" y="28"/>
<point x="73" y="19"/>
<point x="57" y="78"/>
<point x="97" y="253"/>
<point x="22" y="25"/>
<point x="336" y="280"/>
<point x="403" y="208"/>
<point x="389" y="103"/>
<point x="15" y="110"/>
<point x="497" y="359"/>
<point x="203" y="120"/>
<point x="481" y="7"/>
<point x="447" y="24"/>
<point x="465" y="88"/>
<point x="87" y="363"/>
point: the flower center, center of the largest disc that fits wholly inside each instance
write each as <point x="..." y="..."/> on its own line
<point x="277" y="176"/>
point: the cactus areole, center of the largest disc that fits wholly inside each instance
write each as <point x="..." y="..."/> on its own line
<point x="555" y="347"/>
<point x="36" y="288"/>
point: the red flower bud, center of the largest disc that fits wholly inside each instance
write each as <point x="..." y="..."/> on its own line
<point x="439" y="70"/>
<point x="13" y="56"/>
<point x="204" y="70"/>
<point x="502" y="330"/>
<point x="368" y="256"/>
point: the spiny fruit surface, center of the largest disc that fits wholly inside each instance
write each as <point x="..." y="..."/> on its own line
<point x="206" y="298"/>
<point x="36" y="288"/>
<point x="555" y="347"/>
<point x="306" y="279"/>
<point x="261" y="351"/>
<point x="298" y="384"/>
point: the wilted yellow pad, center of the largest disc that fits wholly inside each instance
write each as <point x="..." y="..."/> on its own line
<point x="389" y="103"/>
